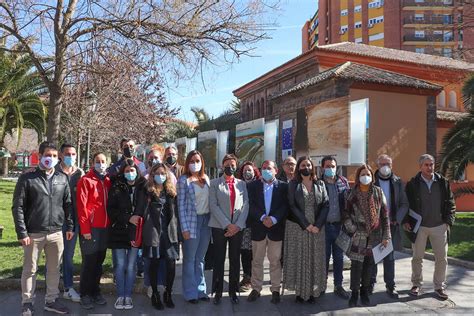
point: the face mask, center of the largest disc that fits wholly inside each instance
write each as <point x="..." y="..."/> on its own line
<point x="365" y="180"/>
<point x="267" y="175"/>
<point x="100" y="167"/>
<point x="385" y="171"/>
<point x="153" y="162"/>
<point x="248" y="175"/>
<point x="159" y="178"/>
<point x="229" y="171"/>
<point x="171" y="160"/>
<point x="49" y="162"/>
<point x="305" y="172"/>
<point x="195" y="167"/>
<point x="69" y="161"/>
<point x="330" y="172"/>
<point x="130" y="176"/>
<point x="127" y="152"/>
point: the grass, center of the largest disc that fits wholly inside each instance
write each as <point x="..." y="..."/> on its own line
<point x="12" y="253"/>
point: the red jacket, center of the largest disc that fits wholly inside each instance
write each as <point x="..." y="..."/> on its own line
<point x="92" y="194"/>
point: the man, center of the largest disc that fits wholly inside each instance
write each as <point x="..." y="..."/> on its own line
<point x="74" y="174"/>
<point x="336" y="186"/>
<point x="127" y="149"/>
<point x="289" y="166"/>
<point x="171" y="161"/>
<point x="397" y="205"/>
<point x="41" y="206"/>
<point x="429" y="195"/>
<point x="268" y="208"/>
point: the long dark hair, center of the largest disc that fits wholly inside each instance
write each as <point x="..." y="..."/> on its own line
<point x="298" y="176"/>
<point x="256" y="172"/>
<point x="202" y="176"/>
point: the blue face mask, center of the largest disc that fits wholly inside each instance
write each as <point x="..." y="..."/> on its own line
<point x="267" y="175"/>
<point x="69" y="161"/>
<point x="159" y="179"/>
<point x="329" y="172"/>
<point x="130" y="176"/>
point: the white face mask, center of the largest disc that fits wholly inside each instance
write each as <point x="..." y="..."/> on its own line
<point x="101" y="168"/>
<point x="195" y="167"/>
<point x="385" y="171"/>
<point x="49" y="162"/>
<point x="365" y="180"/>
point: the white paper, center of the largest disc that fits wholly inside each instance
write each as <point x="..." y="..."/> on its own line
<point x="381" y="252"/>
<point x="417" y="217"/>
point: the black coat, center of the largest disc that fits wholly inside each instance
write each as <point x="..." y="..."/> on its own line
<point x="297" y="207"/>
<point x="278" y="209"/>
<point x="119" y="211"/>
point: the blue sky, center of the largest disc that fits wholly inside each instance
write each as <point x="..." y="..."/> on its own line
<point x="285" y="44"/>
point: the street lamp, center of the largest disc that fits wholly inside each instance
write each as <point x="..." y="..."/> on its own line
<point x="91" y="103"/>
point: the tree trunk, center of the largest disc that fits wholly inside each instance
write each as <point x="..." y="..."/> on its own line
<point x="4" y="166"/>
<point x="54" y="112"/>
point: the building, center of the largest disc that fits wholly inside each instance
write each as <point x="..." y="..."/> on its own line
<point x="436" y="27"/>
<point x="409" y="101"/>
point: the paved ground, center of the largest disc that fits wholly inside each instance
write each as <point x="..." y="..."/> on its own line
<point x="460" y="288"/>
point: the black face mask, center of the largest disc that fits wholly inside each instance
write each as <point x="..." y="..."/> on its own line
<point x="229" y="171"/>
<point x="171" y="160"/>
<point x="128" y="153"/>
<point x="305" y="172"/>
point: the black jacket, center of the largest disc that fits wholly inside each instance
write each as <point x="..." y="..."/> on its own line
<point x="448" y="206"/>
<point x="119" y="210"/>
<point x="297" y="207"/>
<point x="278" y="209"/>
<point x="36" y="209"/>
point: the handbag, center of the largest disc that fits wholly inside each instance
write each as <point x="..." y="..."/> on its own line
<point x="137" y="242"/>
<point x="344" y="241"/>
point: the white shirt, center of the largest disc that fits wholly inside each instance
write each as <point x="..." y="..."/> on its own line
<point x="267" y="195"/>
<point x="385" y="186"/>
<point x="202" y="199"/>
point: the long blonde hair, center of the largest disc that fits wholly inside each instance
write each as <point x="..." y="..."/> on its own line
<point x="169" y="186"/>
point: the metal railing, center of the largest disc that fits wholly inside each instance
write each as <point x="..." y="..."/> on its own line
<point x="428" y="38"/>
<point x="428" y="20"/>
<point x="428" y="3"/>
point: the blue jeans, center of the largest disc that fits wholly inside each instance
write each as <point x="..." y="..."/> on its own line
<point x="388" y="272"/>
<point x="332" y="231"/>
<point x="125" y="270"/>
<point x="194" y="251"/>
<point x="68" y="255"/>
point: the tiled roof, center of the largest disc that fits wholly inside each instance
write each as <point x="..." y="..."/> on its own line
<point x="363" y="73"/>
<point x="450" y="116"/>
<point x="397" y="55"/>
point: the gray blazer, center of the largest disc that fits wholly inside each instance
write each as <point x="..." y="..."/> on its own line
<point x="219" y="204"/>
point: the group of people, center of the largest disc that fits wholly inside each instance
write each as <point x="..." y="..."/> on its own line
<point x="162" y="211"/>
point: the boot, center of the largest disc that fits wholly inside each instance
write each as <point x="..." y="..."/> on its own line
<point x="353" y="299"/>
<point x="167" y="299"/>
<point x="156" y="301"/>
<point x="364" y="296"/>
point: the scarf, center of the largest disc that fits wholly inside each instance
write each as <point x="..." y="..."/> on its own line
<point x="368" y="208"/>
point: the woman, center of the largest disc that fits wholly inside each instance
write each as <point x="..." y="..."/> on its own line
<point x="121" y="232"/>
<point x="304" y="263"/>
<point x="92" y="195"/>
<point x="156" y="204"/>
<point x="247" y="172"/>
<point x="193" y="207"/>
<point x="366" y="219"/>
<point x="229" y="205"/>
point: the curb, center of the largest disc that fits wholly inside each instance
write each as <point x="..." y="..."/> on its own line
<point x="452" y="261"/>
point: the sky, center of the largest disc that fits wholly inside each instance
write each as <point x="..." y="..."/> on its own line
<point x="216" y="94"/>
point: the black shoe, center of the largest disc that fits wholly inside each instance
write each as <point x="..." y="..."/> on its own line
<point x="275" y="297"/>
<point x="205" y="298"/>
<point x="193" y="301"/>
<point x="253" y="296"/>
<point x="339" y="291"/>
<point x="311" y="300"/>
<point x="370" y="289"/>
<point x="353" y="299"/>
<point x="392" y="293"/>
<point x="217" y="298"/>
<point x="299" y="299"/>
<point x="364" y="297"/>
<point x="156" y="301"/>
<point x="99" y="299"/>
<point x="168" y="300"/>
<point x="234" y="299"/>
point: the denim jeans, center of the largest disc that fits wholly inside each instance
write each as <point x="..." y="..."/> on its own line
<point x="388" y="272"/>
<point x="68" y="255"/>
<point x="124" y="270"/>
<point x="332" y="231"/>
<point x="194" y="251"/>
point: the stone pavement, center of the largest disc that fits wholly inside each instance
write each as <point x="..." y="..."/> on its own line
<point x="460" y="289"/>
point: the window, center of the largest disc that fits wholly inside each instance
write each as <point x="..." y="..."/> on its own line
<point x="376" y="37"/>
<point x="437" y="32"/>
<point x="452" y="99"/>
<point x="419" y="17"/>
<point x="448" y="52"/>
<point x="441" y="99"/>
<point x="344" y="29"/>
<point x="447" y="19"/>
<point x="420" y="50"/>
<point x="447" y="2"/>
<point x="419" y="1"/>
<point x="378" y="19"/>
<point x="358" y="40"/>
<point x="448" y="36"/>
<point x="358" y="8"/>
<point x="375" y="4"/>
<point x="420" y="34"/>
<point x="344" y="12"/>
<point x="358" y="25"/>
<point x="461" y="35"/>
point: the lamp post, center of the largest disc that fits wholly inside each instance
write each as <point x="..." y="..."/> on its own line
<point x="91" y="103"/>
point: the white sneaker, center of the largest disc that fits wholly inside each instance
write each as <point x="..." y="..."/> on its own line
<point x="72" y="295"/>
<point x="128" y="303"/>
<point x="149" y="292"/>
<point x="119" y="303"/>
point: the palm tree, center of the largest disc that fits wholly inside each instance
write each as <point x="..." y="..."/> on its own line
<point x="20" y="103"/>
<point x="458" y="144"/>
<point x="201" y="115"/>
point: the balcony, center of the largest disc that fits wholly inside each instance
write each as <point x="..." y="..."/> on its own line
<point x="428" y="38"/>
<point x="428" y="3"/>
<point x="428" y="20"/>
